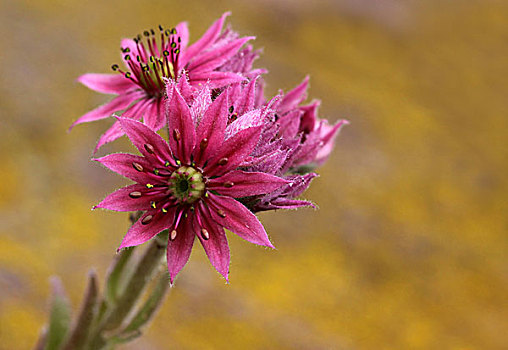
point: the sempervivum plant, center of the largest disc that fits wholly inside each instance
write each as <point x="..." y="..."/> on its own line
<point x="155" y="56"/>
<point x="190" y="184"/>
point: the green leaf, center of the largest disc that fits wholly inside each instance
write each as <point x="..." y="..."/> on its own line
<point x="60" y="316"/>
<point x="117" y="274"/>
<point x="147" y="311"/>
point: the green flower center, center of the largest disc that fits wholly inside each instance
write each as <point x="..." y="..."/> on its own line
<point x="186" y="184"/>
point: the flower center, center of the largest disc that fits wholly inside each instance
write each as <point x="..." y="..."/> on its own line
<point x="186" y="184"/>
<point x="153" y="61"/>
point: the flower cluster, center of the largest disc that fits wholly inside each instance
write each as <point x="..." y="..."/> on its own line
<point x="229" y="152"/>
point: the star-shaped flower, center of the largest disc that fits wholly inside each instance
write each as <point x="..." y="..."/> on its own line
<point x="190" y="184"/>
<point x="216" y="59"/>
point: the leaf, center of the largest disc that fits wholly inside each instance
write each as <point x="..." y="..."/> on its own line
<point x="79" y="334"/>
<point x="60" y="316"/>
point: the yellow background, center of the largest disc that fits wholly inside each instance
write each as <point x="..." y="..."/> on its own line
<point x="408" y="248"/>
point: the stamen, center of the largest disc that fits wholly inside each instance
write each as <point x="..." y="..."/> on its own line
<point x="146" y="219"/>
<point x="156" y="171"/>
<point x="137" y="166"/>
<point x="205" y="234"/>
<point x="228" y="184"/>
<point x="135" y="194"/>
<point x="149" y="186"/>
<point x="173" y="235"/>
<point x="221" y="213"/>
<point x="176" y="135"/>
<point x="203" y="144"/>
<point x="223" y="161"/>
<point x="149" y="148"/>
<point x="153" y="205"/>
<point x="115" y="67"/>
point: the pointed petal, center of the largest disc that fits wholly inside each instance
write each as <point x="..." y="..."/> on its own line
<point x="239" y="183"/>
<point x="141" y="135"/>
<point x="153" y="116"/>
<point x="122" y="163"/>
<point x="294" y="97"/>
<point x="121" y="201"/>
<point x="234" y="150"/>
<point x="215" y="79"/>
<point x="212" y="128"/>
<point x="181" y="127"/>
<point x="201" y="102"/>
<point x="179" y="249"/>
<point x="114" y="132"/>
<point x="106" y="83"/>
<point x="248" y="120"/>
<point x="209" y="60"/>
<point x="106" y="110"/>
<point x="205" y="41"/>
<point x="245" y="102"/>
<point x="284" y="203"/>
<point x="216" y="246"/>
<point x="237" y="219"/>
<point x="182" y="30"/>
<point x="139" y="233"/>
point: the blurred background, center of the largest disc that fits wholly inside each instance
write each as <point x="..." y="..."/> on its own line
<point x="408" y="247"/>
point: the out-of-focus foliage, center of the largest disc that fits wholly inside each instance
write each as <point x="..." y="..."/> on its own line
<point x="408" y="249"/>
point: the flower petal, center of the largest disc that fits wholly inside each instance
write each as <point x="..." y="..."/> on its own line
<point x="216" y="246"/>
<point x="209" y="60"/>
<point x="154" y="117"/>
<point x="293" y="98"/>
<point x="121" y="201"/>
<point x="118" y="103"/>
<point x="140" y="233"/>
<point x="181" y="127"/>
<point x="245" y="100"/>
<point x="215" y="79"/>
<point x="114" y="132"/>
<point x="122" y="163"/>
<point x="205" y="41"/>
<point x="234" y="151"/>
<point x="179" y="249"/>
<point x="106" y="83"/>
<point x="212" y="128"/>
<point x="234" y="216"/>
<point x="239" y="183"/>
<point x="141" y="136"/>
<point x="182" y="30"/>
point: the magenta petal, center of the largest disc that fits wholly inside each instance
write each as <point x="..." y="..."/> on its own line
<point x="139" y="233"/>
<point x="248" y="120"/>
<point x="153" y="116"/>
<point x="114" y="132"/>
<point x="245" y="102"/>
<point x="211" y="128"/>
<point x="122" y="163"/>
<point x="216" y="246"/>
<point x="294" y="97"/>
<point x="205" y="41"/>
<point x="179" y="249"/>
<point x="234" y="216"/>
<point x="217" y="56"/>
<point x="234" y="150"/>
<point x="121" y="201"/>
<point x="143" y="137"/>
<point x="106" y="83"/>
<point x="181" y="127"/>
<point x="104" y="111"/>
<point x="215" y="79"/>
<point x="183" y="33"/>
<point x="239" y="183"/>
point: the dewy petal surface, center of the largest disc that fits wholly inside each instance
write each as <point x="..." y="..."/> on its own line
<point x="180" y="248"/>
<point x="141" y="135"/>
<point x="239" y="183"/>
<point x="238" y="219"/>
<point x="121" y="201"/>
<point x="216" y="246"/>
<point x="140" y="233"/>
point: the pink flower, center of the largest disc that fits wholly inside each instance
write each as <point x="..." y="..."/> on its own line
<point x="293" y="142"/>
<point x="190" y="185"/>
<point x="150" y="60"/>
